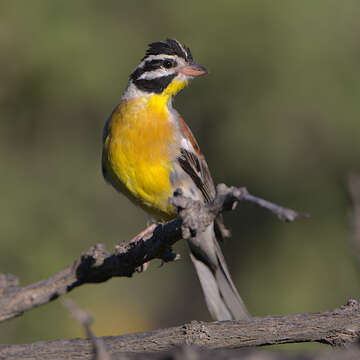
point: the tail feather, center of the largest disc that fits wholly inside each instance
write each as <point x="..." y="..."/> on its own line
<point x="217" y="308"/>
<point x="221" y="295"/>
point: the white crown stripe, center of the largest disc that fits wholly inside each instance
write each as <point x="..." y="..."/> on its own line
<point x="182" y="48"/>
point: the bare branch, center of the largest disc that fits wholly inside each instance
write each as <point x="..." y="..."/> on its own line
<point x="338" y="328"/>
<point x="95" y="266"/>
<point x="98" y="265"/>
<point x="86" y="320"/>
<point x="188" y="352"/>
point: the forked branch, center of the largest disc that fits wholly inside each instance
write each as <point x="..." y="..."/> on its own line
<point x="98" y="265"/>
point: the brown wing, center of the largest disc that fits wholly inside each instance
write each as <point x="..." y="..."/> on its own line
<point x="194" y="164"/>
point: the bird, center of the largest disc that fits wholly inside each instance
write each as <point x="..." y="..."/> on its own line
<point x="149" y="152"/>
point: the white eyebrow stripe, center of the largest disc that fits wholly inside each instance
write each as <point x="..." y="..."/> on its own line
<point x="149" y="75"/>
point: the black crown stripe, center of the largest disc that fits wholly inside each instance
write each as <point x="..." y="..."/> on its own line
<point x="169" y="47"/>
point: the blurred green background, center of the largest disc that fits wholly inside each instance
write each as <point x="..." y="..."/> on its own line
<point x="278" y="113"/>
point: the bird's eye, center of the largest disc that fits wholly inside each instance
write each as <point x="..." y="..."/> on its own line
<point x="168" y="64"/>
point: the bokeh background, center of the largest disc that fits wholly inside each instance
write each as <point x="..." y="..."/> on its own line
<point x="278" y="113"/>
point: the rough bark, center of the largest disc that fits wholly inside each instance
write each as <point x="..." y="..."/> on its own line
<point x="99" y="265"/>
<point x="195" y="353"/>
<point x="338" y="328"/>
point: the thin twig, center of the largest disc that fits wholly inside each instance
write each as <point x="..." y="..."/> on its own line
<point x="241" y="194"/>
<point x="86" y="320"/>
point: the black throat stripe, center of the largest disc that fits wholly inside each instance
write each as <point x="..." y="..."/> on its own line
<point x="156" y="85"/>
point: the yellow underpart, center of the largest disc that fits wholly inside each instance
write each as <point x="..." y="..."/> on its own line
<point x="139" y="149"/>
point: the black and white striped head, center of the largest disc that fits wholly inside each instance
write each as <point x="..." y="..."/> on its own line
<point x="165" y="63"/>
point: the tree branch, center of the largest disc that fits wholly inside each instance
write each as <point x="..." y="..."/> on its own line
<point x="338" y="328"/>
<point x="86" y="320"/>
<point x="98" y="265"/>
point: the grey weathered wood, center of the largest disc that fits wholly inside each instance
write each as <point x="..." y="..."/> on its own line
<point x="99" y="265"/>
<point x="196" y="353"/>
<point x="338" y="328"/>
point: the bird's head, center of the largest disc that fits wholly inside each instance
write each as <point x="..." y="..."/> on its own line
<point x="165" y="69"/>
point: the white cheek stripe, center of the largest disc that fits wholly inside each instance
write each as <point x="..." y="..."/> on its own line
<point x="132" y="92"/>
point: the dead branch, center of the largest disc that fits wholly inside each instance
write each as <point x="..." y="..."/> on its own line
<point x="338" y="328"/>
<point x="187" y="352"/>
<point x="98" y="265"/>
<point x="86" y="320"/>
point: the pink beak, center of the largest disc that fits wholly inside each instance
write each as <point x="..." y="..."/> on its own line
<point x="193" y="69"/>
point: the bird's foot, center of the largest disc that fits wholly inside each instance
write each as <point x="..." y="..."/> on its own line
<point x="144" y="235"/>
<point x="143" y="267"/>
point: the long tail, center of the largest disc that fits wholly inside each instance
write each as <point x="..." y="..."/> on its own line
<point x="221" y="296"/>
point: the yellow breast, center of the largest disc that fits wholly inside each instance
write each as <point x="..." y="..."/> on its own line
<point x="138" y="152"/>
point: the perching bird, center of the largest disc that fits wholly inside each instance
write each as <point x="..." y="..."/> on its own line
<point x="149" y="152"/>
